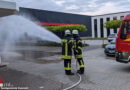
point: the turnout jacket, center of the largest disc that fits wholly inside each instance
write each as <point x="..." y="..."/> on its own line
<point x="77" y="47"/>
<point x="66" y="47"/>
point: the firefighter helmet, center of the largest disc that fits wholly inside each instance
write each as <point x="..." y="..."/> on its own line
<point x="75" y="32"/>
<point x="67" y="32"/>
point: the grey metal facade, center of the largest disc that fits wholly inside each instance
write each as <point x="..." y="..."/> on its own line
<point x="59" y="17"/>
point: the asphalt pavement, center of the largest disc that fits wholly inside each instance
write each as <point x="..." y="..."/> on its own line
<point x="101" y="72"/>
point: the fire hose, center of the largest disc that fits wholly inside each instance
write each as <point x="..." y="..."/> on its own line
<point x="77" y="83"/>
<point x="74" y="85"/>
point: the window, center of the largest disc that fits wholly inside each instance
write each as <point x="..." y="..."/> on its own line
<point x="129" y="27"/>
<point x="123" y="33"/>
<point x="115" y="18"/>
<point x="101" y="27"/>
<point x="122" y="17"/>
<point x="115" y="30"/>
<point x="108" y="19"/>
<point x="124" y="28"/>
<point x="95" y="27"/>
<point x="108" y="30"/>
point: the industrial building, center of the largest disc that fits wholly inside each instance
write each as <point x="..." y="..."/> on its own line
<point x="45" y="17"/>
<point x="98" y="29"/>
<point x="94" y="24"/>
<point x="8" y="8"/>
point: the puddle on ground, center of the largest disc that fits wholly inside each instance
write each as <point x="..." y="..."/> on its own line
<point x="47" y="61"/>
<point x="33" y="56"/>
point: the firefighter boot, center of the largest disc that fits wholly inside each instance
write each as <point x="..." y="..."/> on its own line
<point x="81" y="71"/>
<point x="68" y="72"/>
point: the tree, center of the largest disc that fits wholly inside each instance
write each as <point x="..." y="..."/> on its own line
<point x="59" y="30"/>
<point x="80" y="28"/>
<point x="113" y="24"/>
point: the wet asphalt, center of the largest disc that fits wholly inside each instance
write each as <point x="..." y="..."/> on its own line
<point x="19" y="78"/>
<point x="101" y="72"/>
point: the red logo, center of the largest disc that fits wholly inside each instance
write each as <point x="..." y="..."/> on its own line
<point x="0" y="80"/>
<point x="1" y="84"/>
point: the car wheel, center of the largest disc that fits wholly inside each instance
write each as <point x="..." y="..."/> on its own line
<point x="119" y="57"/>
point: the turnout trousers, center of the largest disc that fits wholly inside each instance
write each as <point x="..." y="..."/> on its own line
<point x="67" y="65"/>
<point x="81" y="64"/>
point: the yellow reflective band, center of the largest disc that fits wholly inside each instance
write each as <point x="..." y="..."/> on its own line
<point x="70" y="41"/>
<point x="77" y="51"/>
<point x="82" y="65"/>
<point x="127" y="39"/>
<point x="81" y="62"/>
<point x="66" y="49"/>
<point x="74" y="45"/>
<point x="80" y="48"/>
<point x="79" y="56"/>
<point x="68" y="68"/>
<point x="64" y="40"/>
<point x="66" y="57"/>
<point x="79" y="41"/>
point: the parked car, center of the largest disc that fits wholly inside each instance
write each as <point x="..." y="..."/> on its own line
<point x="110" y="49"/>
<point x="111" y="37"/>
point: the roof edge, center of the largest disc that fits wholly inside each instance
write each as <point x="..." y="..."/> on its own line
<point x="55" y="11"/>
<point x="112" y="13"/>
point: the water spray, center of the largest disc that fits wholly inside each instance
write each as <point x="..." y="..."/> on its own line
<point x="1" y="64"/>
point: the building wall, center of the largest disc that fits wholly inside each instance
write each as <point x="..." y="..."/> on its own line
<point x="7" y="8"/>
<point x="58" y="17"/>
<point x="94" y="24"/>
<point x="98" y="29"/>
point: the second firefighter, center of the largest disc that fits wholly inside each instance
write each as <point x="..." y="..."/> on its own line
<point x="78" y="50"/>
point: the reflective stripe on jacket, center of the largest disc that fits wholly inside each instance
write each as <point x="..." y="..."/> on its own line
<point x="77" y="46"/>
<point x="67" y="48"/>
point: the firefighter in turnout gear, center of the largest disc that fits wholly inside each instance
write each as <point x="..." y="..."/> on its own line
<point x="77" y="47"/>
<point x="67" y="52"/>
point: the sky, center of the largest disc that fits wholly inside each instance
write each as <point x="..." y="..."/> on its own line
<point x="86" y="7"/>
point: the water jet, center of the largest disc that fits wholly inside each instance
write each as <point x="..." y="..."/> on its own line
<point x="7" y="8"/>
<point x="15" y="28"/>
